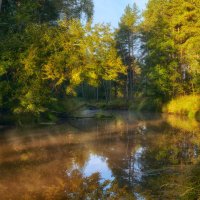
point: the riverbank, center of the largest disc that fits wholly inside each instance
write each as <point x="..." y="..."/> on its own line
<point x="75" y="107"/>
<point x="184" y="105"/>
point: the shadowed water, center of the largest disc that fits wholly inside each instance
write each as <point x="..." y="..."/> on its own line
<point x="150" y="156"/>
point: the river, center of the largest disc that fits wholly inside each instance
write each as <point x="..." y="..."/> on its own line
<point x="130" y="156"/>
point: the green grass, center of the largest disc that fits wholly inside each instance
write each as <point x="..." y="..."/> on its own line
<point x="184" y="105"/>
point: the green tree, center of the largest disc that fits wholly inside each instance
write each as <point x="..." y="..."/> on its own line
<point x="15" y="15"/>
<point x="53" y="61"/>
<point x="23" y="28"/>
<point x="126" y="36"/>
<point x="169" y="31"/>
<point x="82" y="54"/>
<point x="185" y="27"/>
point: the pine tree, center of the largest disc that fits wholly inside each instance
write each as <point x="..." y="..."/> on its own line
<point x="170" y="36"/>
<point x="126" y="36"/>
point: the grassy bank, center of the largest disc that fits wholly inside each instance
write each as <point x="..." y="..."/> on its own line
<point x="184" y="105"/>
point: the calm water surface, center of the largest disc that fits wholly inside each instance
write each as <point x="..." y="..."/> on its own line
<point x="153" y="156"/>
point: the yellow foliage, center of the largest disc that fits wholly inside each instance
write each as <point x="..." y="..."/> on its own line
<point x="184" y="105"/>
<point x="80" y="53"/>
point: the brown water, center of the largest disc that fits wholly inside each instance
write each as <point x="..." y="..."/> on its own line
<point x="153" y="156"/>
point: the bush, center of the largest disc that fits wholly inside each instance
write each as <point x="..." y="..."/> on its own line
<point x="184" y="105"/>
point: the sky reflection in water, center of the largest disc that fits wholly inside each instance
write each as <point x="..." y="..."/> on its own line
<point x="97" y="164"/>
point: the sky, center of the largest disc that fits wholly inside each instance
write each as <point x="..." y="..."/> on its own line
<point x="110" y="11"/>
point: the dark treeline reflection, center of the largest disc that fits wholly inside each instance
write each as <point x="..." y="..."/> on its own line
<point x="128" y="157"/>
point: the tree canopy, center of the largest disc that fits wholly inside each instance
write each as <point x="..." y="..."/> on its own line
<point x="44" y="61"/>
<point x="170" y="34"/>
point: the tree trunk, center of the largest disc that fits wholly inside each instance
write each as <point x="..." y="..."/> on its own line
<point x="82" y="88"/>
<point x="115" y="89"/>
<point x="110" y="90"/>
<point x="127" y="85"/>
<point x="0" y="4"/>
<point x="97" y="93"/>
<point x="105" y="90"/>
<point x="130" y="52"/>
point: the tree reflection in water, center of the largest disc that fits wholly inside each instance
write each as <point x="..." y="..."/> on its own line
<point x="149" y="157"/>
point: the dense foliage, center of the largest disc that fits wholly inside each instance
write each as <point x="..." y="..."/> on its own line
<point x="171" y="38"/>
<point x="184" y="105"/>
<point x="50" y="50"/>
<point x="45" y="58"/>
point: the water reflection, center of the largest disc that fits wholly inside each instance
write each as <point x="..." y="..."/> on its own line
<point x="97" y="164"/>
<point x="152" y="156"/>
<point x="137" y="165"/>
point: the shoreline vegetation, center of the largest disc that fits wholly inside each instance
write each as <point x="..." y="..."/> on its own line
<point x="187" y="107"/>
<point x="184" y="105"/>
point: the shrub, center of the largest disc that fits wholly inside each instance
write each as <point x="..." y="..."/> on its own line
<point x="184" y="105"/>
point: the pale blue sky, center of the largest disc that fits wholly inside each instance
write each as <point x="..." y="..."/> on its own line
<point x="110" y="11"/>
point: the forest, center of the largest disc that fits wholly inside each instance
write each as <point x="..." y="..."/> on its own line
<point x="53" y="56"/>
<point x="92" y="111"/>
